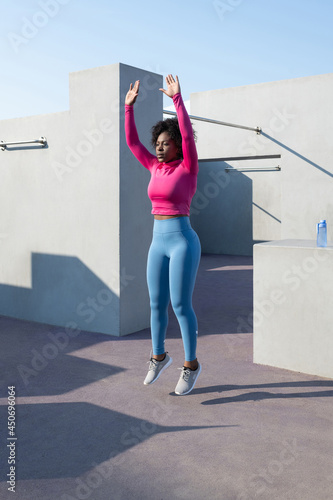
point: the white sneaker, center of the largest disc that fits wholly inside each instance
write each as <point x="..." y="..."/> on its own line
<point x="187" y="380"/>
<point x="156" y="368"/>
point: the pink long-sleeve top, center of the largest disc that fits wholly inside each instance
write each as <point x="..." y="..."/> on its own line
<point x="173" y="184"/>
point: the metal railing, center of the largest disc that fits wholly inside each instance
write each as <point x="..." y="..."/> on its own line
<point x="254" y="169"/>
<point x="242" y="158"/>
<point x="237" y="158"/>
<point x="209" y="120"/>
<point x="41" y="140"/>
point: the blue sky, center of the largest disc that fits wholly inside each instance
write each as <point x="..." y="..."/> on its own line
<point x="210" y="44"/>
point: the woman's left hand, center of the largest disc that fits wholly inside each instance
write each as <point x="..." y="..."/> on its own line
<point x="173" y="86"/>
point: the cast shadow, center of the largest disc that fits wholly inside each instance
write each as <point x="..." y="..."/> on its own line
<point x="221" y="210"/>
<point x="265" y="395"/>
<point x="63" y="291"/>
<point x="222" y="298"/>
<point x="290" y="150"/>
<point x="64" y="440"/>
<point x="37" y="359"/>
<point x="35" y="351"/>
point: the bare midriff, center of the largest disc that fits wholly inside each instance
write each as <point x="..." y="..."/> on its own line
<point x="161" y="217"/>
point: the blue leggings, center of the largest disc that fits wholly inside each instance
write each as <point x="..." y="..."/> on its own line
<point x="172" y="266"/>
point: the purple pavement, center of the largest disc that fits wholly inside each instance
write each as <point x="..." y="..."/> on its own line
<point x="87" y="427"/>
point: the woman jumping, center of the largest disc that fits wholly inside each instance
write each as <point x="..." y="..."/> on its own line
<point x="174" y="254"/>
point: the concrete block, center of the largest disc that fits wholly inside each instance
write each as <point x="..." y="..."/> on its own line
<point x="76" y="224"/>
<point x="293" y="313"/>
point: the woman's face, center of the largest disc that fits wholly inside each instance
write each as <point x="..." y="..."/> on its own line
<point x="166" y="149"/>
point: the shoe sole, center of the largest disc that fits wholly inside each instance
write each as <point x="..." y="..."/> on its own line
<point x="184" y="393"/>
<point x="161" y="371"/>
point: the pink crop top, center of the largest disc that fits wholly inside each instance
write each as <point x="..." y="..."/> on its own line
<point x="173" y="184"/>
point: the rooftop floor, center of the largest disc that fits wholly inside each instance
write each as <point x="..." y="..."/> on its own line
<point x="87" y="427"/>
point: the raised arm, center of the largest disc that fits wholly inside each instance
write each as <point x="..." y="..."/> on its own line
<point x="132" y="138"/>
<point x="188" y="144"/>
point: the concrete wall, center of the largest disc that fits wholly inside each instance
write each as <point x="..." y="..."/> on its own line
<point x="296" y="119"/>
<point x="75" y="222"/>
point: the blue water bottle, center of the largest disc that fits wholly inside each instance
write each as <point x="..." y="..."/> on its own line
<point x="322" y="234"/>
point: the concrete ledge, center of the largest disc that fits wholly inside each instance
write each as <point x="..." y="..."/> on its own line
<point x="293" y="312"/>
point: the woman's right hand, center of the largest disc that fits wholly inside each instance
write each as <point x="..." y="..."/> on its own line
<point x="132" y="94"/>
